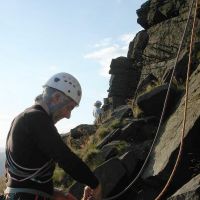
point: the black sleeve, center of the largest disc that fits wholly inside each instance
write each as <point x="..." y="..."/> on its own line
<point x="50" y="143"/>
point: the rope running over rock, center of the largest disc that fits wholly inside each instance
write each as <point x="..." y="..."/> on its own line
<point x="162" y="115"/>
<point x="185" y="109"/>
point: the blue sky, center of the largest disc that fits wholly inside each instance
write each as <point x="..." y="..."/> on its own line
<point x="39" y="38"/>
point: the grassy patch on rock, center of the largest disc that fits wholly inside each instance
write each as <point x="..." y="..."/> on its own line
<point x="2" y="184"/>
<point x="122" y="147"/>
<point x="137" y="112"/>
<point x="86" y="149"/>
<point x="61" y="179"/>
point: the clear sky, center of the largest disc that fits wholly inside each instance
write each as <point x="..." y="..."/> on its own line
<point x="39" y="38"/>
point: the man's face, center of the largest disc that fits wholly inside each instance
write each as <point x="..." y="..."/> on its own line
<point x="65" y="111"/>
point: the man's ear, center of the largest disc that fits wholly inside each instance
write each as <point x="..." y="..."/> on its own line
<point x="56" y="98"/>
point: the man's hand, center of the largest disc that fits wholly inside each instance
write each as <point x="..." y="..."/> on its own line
<point x="59" y="195"/>
<point x="92" y="194"/>
<point x="97" y="193"/>
<point x="87" y="193"/>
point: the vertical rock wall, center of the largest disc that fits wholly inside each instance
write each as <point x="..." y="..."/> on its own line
<point x="164" y="22"/>
<point x="154" y="49"/>
<point x="123" y="81"/>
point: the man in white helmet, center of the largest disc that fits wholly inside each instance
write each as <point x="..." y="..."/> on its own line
<point x="97" y="112"/>
<point x="34" y="145"/>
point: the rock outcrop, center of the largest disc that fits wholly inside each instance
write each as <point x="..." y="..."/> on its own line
<point x="123" y="81"/>
<point x="191" y="190"/>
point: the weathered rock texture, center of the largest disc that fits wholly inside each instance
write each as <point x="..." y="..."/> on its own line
<point x="123" y="81"/>
<point x="78" y="136"/>
<point x="154" y="50"/>
<point x="164" y="22"/>
<point x="191" y="190"/>
<point x="172" y="129"/>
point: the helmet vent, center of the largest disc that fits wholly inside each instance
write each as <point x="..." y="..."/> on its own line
<point x="56" y="79"/>
<point x="79" y="93"/>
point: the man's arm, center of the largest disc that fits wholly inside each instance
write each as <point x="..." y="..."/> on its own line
<point x="50" y="143"/>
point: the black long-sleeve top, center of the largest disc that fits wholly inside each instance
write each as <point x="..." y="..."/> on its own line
<point x="33" y="140"/>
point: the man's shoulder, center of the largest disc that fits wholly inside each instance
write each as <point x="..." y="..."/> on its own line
<point x="35" y="111"/>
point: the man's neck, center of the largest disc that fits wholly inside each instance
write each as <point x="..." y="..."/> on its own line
<point x="39" y="101"/>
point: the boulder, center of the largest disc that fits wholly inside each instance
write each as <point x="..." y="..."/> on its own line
<point x="108" y="151"/>
<point x="130" y="162"/>
<point x="143" y="14"/>
<point x="118" y="100"/>
<point x="122" y="86"/>
<point x="152" y="102"/>
<point x="170" y="134"/>
<point x="180" y="73"/>
<point x="138" y="130"/>
<point x="141" y="149"/>
<point x="163" y="44"/>
<point x="137" y="46"/>
<point x="180" y="69"/>
<point x="123" y="82"/>
<point x="155" y="11"/>
<point x="109" y="173"/>
<point x="148" y="192"/>
<point x="81" y="130"/>
<point x="120" y="65"/>
<point x="150" y="79"/>
<point x="122" y="112"/>
<point x="190" y="190"/>
<point x="110" y="137"/>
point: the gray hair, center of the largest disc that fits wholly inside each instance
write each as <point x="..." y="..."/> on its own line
<point x="46" y="97"/>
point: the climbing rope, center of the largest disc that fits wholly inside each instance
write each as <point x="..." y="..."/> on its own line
<point x="185" y="109"/>
<point x="162" y="115"/>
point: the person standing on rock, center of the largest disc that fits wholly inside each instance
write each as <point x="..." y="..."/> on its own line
<point x="34" y="145"/>
<point x="97" y="112"/>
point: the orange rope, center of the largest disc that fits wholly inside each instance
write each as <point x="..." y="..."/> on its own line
<point x="185" y="109"/>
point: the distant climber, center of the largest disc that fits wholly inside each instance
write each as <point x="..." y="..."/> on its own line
<point x="97" y="112"/>
<point x="34" y="145"/>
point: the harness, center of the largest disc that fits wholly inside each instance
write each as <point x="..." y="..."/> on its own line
<point x="20" y="173"/>
<point x="12" y="191"/>
<point x="10" y="194"/>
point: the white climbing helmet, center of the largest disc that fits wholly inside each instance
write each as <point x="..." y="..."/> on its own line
<point x="97" y="103"/>
<point x="67" y="84"/>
